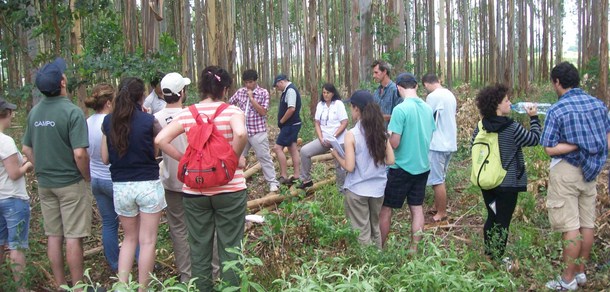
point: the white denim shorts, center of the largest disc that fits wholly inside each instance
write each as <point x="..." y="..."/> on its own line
<point x="133" y="197"/>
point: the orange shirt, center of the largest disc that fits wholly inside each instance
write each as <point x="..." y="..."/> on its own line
<point x="222" y="124"/>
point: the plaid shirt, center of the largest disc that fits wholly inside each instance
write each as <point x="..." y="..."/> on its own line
<point x="580" y="119"/>
<point x="255" y="123"/>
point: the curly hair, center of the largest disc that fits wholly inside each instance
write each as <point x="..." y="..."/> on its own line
<point x="567" y="75"/>
<point x="125" y="104"/>
<point x="213" y="82"/>
<point x="249" y="75"/>
<point x="489" y="98"/>
<point x="330" y="88"/>
<point x="373" y="125"/>
<point x="102" y="93"/>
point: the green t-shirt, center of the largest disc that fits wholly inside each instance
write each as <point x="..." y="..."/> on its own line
<point x="55" y="127"/>
<point x="414" y="121"/>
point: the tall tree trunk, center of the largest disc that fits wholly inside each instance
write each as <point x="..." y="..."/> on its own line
<point x="186" y="40"/>
<point x="431" y="38"/>
<point x="199" y="23"/>
<point x="602" y="89"/>
<point x="211" y="33"/>
<point x="285" y="38"/>
<point x="355" y="40"/>
<point x="522" y="47"/>
<point x="493" y="43"/>
<point x="366" y="39"/>
<point x="449" y="45"/>
<point x="347" y="48"/>
<point x="312" y="43"/>
<point x="417" y="54"/>
<point x="408" y="32"/>
<point x="441" y="39"/>
<point x="150" y="24"/>
<point x="466" y="39"/>
<point x="510" y="50"/>
<point x="544" y="59"/>
<point x="77" y="49"/>
<point x="558" y="17"/>
<point x="532" y="63"/>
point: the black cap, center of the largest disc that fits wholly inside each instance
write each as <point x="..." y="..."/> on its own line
<point x="279" y="78"/>
<point x="48" y="78"/>
<point x="406" y="77"/>
<point x="6" y="105"/>
<point x="361" y="98"/>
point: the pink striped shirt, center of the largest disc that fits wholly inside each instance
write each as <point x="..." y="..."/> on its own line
<point x="222" y="124"/>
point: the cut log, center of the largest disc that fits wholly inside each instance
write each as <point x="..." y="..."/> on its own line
<point x="257" y="167"/>
<point x="272" y="198"/>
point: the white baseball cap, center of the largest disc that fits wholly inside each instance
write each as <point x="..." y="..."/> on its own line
<point x="174" y="83"/>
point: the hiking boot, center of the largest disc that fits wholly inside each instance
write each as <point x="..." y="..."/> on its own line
<point x="559" y="285"/>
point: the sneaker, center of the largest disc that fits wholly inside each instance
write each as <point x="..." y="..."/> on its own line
<point x="508" y="263"/>
<point x="559" y="285"/>
<point x="581" y="279"/>
<point x="273" y="188"/>
<point x="305" y="185"/>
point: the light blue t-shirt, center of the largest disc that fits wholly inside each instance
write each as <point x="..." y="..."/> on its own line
<point x="97" y="168"/>
<point x="414" y="121"/>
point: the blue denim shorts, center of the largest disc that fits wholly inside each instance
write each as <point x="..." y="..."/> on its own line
<point x="133" y="197"/>
<point x="288" y="135"/>
<point x="14" y="223"/>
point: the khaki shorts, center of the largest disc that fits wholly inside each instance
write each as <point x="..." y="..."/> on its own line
<point x="67" y="211"/>
<point x="570" y="200"/>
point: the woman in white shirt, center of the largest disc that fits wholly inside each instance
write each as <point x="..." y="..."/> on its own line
<point x="14" y="199"/>
<point x="330" y="123"/>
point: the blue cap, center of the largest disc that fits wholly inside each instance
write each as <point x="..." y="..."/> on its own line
<point x="48" y="78"/>
<point x="360" y="98"/>
<point x="406" y="77"/>
<point x="6" y="105"/>
<point x="279" y="78"/>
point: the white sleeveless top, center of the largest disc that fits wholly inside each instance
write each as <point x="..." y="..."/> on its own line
<point x="367" y="180"/>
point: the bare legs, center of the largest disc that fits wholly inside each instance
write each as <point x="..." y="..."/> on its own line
<point x="417" y="224"/>
<point x="281" y="158"/>
<point x="576" y="251"/>
<point x="141" y="230"/>
<point x="440" y="201"/>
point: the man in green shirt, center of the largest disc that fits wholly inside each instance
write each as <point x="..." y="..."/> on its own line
<point x="411" y="128"/>
<point x="56" y="142"/>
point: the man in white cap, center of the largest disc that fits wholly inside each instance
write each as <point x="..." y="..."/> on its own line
<point x="56" y="141"/>
<point x="174" y="93"/>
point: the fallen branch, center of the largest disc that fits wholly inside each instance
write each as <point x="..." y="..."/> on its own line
<point x="93" y="251"/>
<point x="272" y="198"/>
<point x="46" y="273"/>
<point x="257" y="167"/>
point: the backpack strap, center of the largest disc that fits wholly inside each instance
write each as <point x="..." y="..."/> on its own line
<point x="219" y="110"/>
<point x="195" y="114"/>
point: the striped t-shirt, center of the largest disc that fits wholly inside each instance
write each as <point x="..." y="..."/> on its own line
<point x="222" y="124"/>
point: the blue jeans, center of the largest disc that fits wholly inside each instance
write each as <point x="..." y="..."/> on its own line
<point x="102" y="191"/>
<point x="14" y="223"/>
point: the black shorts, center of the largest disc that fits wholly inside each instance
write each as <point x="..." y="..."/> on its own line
<point x="401" y="184"/>
<point x="288" y="135"/>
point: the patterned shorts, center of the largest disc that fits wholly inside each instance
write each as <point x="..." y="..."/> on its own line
<point x="133" y="197"/>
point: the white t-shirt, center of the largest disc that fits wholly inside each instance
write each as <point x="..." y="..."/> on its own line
<point x="444" y="107"/>
<point x="170" y="165"/>
<point x="154" y="102"/>
<point x="10" y="188"/>
<point x="330" y="118"/>
<point x="97" y="168"/>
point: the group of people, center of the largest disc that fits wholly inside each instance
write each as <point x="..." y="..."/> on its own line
<point x="398" y="145"/>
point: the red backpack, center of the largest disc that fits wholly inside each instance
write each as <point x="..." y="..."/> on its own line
<point x="209" y="160"/>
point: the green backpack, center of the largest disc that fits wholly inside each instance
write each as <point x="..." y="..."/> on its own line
<point x="487" y="171"/>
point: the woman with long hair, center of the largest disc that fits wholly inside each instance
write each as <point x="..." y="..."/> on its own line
<point x="494" y="105"/>
<point x="367" y="152"/>
<point x="220" y="209"/>
<point x="330" y="122"/>
<point x="101" y="183"/>
<point x="14" y="199"/>
<point x="139" y="197"/>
